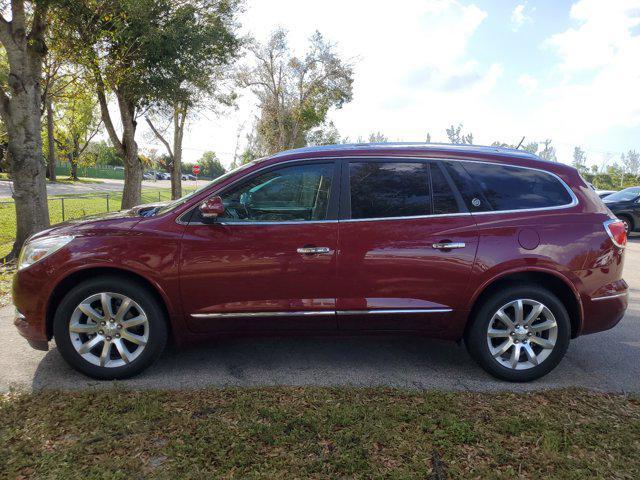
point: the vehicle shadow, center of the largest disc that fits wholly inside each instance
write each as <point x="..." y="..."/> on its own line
<point x="361" y="361"/>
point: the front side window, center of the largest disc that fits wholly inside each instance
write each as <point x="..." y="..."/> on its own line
<point x="297" y="193"/>
<point x="389" y="189"/>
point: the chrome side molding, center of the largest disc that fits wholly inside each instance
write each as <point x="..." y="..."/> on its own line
<point x="320" y="312"/>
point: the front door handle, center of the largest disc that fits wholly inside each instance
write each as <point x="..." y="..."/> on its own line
<point x="448" y="245"/>
<point x="313" y="250"/>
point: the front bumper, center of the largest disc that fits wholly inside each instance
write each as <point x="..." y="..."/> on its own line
<point x="31" y="290"/>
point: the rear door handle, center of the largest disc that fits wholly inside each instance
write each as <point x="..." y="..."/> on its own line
<point x="448" y="245"/>
<point x="313" y="250"/>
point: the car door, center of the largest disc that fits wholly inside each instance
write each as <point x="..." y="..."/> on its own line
<point x="407" y="246"/>
<point x="270" y="261"/>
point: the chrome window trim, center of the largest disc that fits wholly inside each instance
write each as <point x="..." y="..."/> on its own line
<point x="574" y="200"/>
<point x="319" y="312"/>
<point x="608" y="297"/>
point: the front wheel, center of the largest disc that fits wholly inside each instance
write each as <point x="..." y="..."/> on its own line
<point x="109" y="328"/>
<point x="519" y="334"/>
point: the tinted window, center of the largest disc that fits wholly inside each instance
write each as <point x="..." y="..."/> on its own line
<point x="444" y="200"/>
<point x="514" y="188"/>
<point x="390" y="189"/>
<point x="287" y="194"/>
<point x="470" y="191"/>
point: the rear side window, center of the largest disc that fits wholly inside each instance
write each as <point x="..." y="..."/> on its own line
<point x="444" y="200"/>
<point x="515" y="188"/>
<point x="389" y="189"/>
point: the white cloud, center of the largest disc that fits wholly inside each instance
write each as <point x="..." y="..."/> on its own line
<point x="528" y="83"/>
<point x="519" y="16"/>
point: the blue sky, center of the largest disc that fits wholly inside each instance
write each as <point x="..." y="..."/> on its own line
<point x="565" y="70"/>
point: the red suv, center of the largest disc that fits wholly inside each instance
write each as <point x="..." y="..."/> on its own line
<point x="511" y="253"/>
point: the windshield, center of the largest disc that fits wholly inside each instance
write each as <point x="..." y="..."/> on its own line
<point x="625" y="195"/>
<point x="180" y="201"/>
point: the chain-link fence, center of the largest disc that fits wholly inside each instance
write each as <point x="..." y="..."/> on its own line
<point x="62" y="208"/>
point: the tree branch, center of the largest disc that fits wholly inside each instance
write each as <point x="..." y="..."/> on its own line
<point x="104" y="110"/>
<point x="159" y="137"/>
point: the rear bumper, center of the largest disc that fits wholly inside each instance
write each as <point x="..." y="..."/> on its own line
<point x="604" y="312"/>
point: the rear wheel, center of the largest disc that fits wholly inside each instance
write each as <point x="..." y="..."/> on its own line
<point x="109" y="328"/>
<point x="519" y="334"/>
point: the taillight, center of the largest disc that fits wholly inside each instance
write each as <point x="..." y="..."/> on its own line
<point x="617" y="232"/>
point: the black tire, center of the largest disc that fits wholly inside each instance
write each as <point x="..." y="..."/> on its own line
<point x="157" y="327"/>
<point x="477" y="342"/>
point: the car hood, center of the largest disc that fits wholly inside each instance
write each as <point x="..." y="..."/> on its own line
<point x="114" y="223"/>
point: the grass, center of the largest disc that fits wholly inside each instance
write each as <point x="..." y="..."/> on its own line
<point x="75" y="206"/>
<point x="319" y="433"/>
<point x="4" y="177"/>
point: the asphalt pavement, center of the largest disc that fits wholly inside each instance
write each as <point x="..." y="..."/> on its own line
<point x="608" y="361"/>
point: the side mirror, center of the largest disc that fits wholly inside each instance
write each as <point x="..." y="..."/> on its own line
<point x="212" y="207"/>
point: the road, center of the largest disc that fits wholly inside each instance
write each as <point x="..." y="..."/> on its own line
<point x="104" y="186"/>
<point x="608" y="361"/>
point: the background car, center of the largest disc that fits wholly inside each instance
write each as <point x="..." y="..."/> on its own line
<point x="149" y="175"/>
<point x="605" y="193"/>
<point x="188" y="176"/>
<point x="625" y="205"/>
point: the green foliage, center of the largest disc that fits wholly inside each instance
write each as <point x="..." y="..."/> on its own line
<point x="456" y="136"/>
<point x="210" y="166"/>
<point x="295" y="93"/>
<point x="325" y="134"/>
<point x="100" y="153"/>
<point x="579" y="161"/>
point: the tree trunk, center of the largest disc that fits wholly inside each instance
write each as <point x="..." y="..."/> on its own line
<point x="27" y="165"/>
<point x="74" y="168"/>
<point x="132" y="191"/>
<point x="20" y="108"/>
<point x="51" y="160"/>
<point x="179" y="116"/>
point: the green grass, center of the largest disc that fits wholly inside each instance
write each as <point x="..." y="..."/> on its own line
<point x="4" y="177"/>
<point x="319" y="433"/>
<point x="75" y="206"/>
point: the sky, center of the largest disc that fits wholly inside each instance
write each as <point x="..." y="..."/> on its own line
<point x="564" y="70"/>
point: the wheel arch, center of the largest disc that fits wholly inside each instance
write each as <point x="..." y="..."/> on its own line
<point x="74" y="278"/>
<point x="555" y="283"/>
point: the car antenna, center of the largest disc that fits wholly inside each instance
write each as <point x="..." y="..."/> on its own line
<point x="520" y="144"/>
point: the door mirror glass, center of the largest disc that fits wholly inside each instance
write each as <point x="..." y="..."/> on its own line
<point x="212" y="208"/>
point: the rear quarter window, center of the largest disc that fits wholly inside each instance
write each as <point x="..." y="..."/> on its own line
<point x="514" y="188"/>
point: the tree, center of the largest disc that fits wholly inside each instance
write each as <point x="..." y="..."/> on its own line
<point x="428" y="137"/>
<point x="77" y="121"/>
<point x="23" y="38"/>
<point x="210" y="165"/>
<point x="202" y="82"/>
<point x="631" y="162"/>
<point x="548" y="152"/>
<point x="378" y="137"/>
<point x="579" y="159"/>
<point x="456" y="136"/>
<point x="295" y="93"/>
<point x="135" y="50"/>
<point x="325" y="134"/>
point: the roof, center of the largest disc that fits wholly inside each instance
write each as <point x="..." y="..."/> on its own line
<point x="418" y="146"/>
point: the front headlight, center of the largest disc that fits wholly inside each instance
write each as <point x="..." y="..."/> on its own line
<point x="36" y="250"/>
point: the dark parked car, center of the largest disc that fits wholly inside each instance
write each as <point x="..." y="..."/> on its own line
<point x="625" y="205"/>
<point x="188" y="176"/>
<point x="510" y="253"/>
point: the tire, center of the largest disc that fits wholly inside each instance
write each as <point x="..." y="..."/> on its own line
<point x="135" y="337"/>
<point x="485" y="346"/>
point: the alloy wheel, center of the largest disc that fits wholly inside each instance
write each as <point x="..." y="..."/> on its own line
<point x="522" y="334"/>
<point x="109" y="329"/>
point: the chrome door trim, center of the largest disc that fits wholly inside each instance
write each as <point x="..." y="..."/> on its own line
<point x="263" y="314"/>
<point x="320" y="312"/>
<point x="448" y="245"/>
<point x="385" y="311"/>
